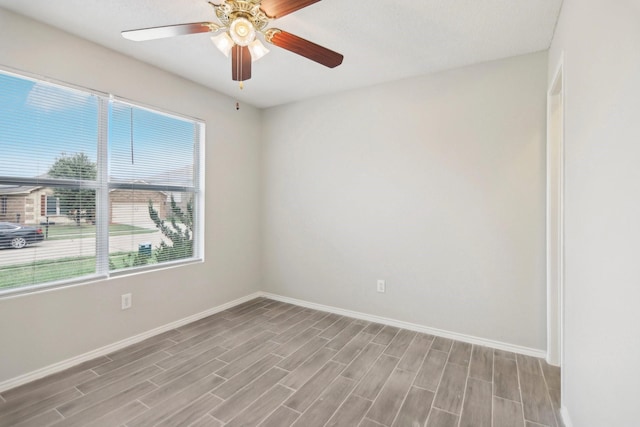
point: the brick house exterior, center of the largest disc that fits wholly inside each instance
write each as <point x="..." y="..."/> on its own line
<point x="32" y="205"/>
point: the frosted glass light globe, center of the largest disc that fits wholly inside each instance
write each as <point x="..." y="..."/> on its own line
<point x="242" y="31"/>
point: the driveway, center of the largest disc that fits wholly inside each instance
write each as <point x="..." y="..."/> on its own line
<point x="86" y="246"/>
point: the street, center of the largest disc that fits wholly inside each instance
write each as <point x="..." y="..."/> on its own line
<point x="86" y="246"/>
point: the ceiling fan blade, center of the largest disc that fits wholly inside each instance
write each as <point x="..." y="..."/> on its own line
<point x="170" y="31"/>
<point x="280" y="8"/>
<point x="240" y="63"/>
<point x="303" y="47"/>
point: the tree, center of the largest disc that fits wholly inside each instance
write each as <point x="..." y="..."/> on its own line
<point x="178" y="228"/>
<point x="76" y="203"/>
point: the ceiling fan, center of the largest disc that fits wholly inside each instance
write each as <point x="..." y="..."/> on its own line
<point x="240" y="23"/>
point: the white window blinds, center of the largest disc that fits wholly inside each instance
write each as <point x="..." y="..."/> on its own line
<point x="91" y="186"/>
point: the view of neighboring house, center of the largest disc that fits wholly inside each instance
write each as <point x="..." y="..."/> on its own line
<point x="131" y="207"/>
<point x="33" y="205"/>
<point x="26" y="204"/>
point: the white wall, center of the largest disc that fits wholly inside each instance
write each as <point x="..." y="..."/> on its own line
<point x="37" y="330"/>
<point x="600" y="40"/>
<point x="435" y="184"/>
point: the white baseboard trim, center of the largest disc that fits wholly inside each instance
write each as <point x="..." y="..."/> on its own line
<point x="102" y="351"/>
<point x="411" y="326"/>
<point x="551" y="362"/>
<point x="566" y="419"/>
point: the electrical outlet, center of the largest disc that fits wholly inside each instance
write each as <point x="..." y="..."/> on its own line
<point x="381" y="286"/>
<point x="126" y="301"/>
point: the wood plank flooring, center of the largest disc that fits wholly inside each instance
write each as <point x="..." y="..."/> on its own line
<point x="268" y="363"/>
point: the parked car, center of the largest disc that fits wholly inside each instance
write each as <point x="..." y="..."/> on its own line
<point x="18" y="236"/>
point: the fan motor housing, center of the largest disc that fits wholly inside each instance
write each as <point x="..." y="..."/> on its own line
<point x="228" y="11"/>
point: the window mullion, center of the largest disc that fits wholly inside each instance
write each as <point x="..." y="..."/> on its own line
<point x="102" y="192"/>
<point x="198" y="199"/>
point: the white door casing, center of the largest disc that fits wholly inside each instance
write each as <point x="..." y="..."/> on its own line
<point x="555" y="216"/>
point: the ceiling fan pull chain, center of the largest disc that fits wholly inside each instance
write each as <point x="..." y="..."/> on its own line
<point x="131" y="132"/>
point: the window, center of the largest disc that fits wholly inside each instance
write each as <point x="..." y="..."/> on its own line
<point x="104" y="186"/>
<point x="53" y="205"/>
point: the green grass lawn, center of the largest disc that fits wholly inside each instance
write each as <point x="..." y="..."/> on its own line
<point x="51" y="270"/>
<point x="46" y="271"/>
<point x="57" y="232"/>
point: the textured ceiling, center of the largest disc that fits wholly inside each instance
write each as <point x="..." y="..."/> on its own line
<point x="381" y="40"/>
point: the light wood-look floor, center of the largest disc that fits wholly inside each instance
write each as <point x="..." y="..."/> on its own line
<point x="273" y="364"/>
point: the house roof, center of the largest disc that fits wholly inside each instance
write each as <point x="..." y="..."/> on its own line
<point x="6" y="190"/>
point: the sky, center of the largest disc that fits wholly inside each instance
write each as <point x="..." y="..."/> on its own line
<point x="40" y="122"/>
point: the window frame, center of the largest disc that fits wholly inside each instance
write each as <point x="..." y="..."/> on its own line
<point x="103" y="186"/>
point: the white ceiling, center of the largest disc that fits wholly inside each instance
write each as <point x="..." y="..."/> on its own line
<point x="381" y="40"/>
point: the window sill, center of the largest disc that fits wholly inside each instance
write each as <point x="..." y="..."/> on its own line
<point x="86" y="280"/>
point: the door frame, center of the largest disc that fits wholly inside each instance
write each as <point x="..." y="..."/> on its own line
<point x="555" y="285"/>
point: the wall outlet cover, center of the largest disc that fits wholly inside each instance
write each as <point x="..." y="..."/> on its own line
<point x="126" y="301"/>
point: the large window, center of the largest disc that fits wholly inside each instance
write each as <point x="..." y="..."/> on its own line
<point x="92" y="186"/>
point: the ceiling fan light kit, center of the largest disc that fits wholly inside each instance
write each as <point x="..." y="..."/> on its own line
<point x="223" y="42"/>
<point x="241" y="21"/>
<point x="242" y="31"/>
<point x="257" y="49"/>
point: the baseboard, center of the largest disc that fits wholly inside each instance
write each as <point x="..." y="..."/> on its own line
<point x="65" y="364"/>
<point x="61" y="366"/>
<point x="566" y="419"/>
<point x="551" y="362"/>
<point x="411" y="326"/>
